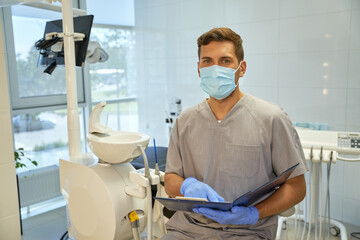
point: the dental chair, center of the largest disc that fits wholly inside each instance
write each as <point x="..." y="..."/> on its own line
<point x="161" y="153"/>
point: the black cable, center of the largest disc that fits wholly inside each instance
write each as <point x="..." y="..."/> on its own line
<point x="44" y="44"/>
<point x="64" y="235"/>
<point x="353" y="234"/>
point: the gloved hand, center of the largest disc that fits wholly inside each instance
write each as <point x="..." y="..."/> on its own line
<point x="237" y="215"/>
<point x="194" y="188"/>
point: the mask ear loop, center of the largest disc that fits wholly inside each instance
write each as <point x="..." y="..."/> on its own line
<point x="238" y="66"/>
<point x="235" y="72"/>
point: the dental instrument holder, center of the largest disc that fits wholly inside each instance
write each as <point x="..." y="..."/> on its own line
<point x="324" y="147"/>
<point x="145" y="177"/>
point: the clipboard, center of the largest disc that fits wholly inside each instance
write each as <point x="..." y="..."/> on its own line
<point x="247" y="199"/>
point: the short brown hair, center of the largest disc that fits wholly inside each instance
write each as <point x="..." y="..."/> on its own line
<point x="219" y="35"/>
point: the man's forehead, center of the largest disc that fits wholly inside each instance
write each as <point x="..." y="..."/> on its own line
<point x="218" y="49"/>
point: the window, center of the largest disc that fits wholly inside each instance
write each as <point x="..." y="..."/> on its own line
<point x="114" y="78"/>
<point x="114" y="81"/>
<point x="121" y="116"/>
<point x="30" y="87"/>
<point x="43" y="136"/>
<point x="38" y="100"/>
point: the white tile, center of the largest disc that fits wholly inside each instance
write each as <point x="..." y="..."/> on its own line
<point x="353" y="107"/>
<point x="337" y="127"/>
<point x="350" y="128"/>
<point x="318" y="69"/>
<point x="261" y="71"/>
<point x="158" y="16"/>
<point x="327" y="32"/>
<point x="155" y="17"/>
<point x="6" y="139"/>
<point x="259" y="37"/>
<point x="190" y="97"/>
<point x="292" y="8"/>
<point x="351" y="187"/>
<point x="355" y="30"/>
<point x="4" y="90"/>
<point x="10" y="227"/>
<point x="312" y="105"/>
<point x="336" y="206"/>
<point x="156" y="69"/>
<point x="204" y="14"/>
<point x="354" y="69"/>
<point x="355" y="4"/>
<point x="173" y="16"/>
<point x="154" y="44"/>
<point x="239" y="11"/>
<point x="268" y="94"/>
<point x="186" y="42"/>
<point x="149" y="4"/>
<point x="139" y="16"/>
<point x="336" y="178"/>
<point x="186" y="72"/>
<point x="9" y="205"/>
<point x="351" y="210"/>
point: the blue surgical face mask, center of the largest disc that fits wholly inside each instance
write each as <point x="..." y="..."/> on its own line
<point x="217" y="81"/>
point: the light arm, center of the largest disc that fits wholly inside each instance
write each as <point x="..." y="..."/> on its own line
<point x="173" y="184"/>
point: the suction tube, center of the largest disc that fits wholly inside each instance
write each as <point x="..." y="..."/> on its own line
<point x="327" y="201"/>
<point x="311" y="193"/>
<point x="320" y="191"/>
<point x="157" y="172"/>
<point x="134" y="221"/>
<point x="148" y="194"/>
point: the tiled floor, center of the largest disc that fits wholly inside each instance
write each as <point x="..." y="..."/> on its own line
<point x="47" y="226"/>
<point x="52" y="225"/>
<point x="289" y="233"/>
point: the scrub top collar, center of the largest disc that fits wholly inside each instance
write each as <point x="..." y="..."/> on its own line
<point x="238" y="106"/>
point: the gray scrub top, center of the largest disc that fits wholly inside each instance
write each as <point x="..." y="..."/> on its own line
<point x="254" y="143"/>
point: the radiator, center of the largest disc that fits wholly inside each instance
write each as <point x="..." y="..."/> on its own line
<point x="39" y="185"/>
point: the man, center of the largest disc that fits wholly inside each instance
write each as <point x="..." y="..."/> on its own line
<point x="228" y="145"/>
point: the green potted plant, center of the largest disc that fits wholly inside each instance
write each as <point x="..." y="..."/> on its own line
<point x="20" y="156"/>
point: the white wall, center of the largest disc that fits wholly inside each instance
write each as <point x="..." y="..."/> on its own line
<point x="302" y="55"/>
<point x="9" y="207"/>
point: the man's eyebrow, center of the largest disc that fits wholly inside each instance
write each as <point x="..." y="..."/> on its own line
<point x="205" y="57"/>
<point x="226" y="57"/>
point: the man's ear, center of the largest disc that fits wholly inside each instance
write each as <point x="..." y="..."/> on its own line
<point x="242" y="68"/>
<point x="198" y="68"/>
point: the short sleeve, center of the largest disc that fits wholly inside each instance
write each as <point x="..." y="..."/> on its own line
<point x="174" y="162"/>
<point x="286" y="147"/>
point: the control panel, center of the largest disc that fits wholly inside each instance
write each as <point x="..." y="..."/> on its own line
<point x="349" y="140"/>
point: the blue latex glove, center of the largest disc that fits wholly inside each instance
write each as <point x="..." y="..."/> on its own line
<point x="194" y="188"/>
<point x="237" y="215"/>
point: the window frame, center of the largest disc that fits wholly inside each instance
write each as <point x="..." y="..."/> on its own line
<point x="18" y="102"/>
<point x="23" y="105"/>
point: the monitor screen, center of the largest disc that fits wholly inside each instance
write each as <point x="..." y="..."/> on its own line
<point x="83" y="25"/>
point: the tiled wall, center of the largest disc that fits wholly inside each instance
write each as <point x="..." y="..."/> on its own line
<point x="9" y="208"/>
<point x="302" y="55"/>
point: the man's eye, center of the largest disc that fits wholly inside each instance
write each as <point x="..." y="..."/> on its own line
<point x="226" y="61"/>
<point x="206" y="61"/>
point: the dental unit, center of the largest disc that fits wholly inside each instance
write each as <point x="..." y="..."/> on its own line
<point x="321" y="147"/>
<point x="101" y="195"/>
